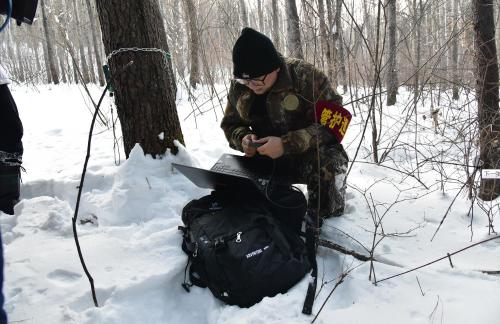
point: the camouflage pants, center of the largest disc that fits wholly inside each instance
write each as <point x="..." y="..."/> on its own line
<point x="326" y="189"/>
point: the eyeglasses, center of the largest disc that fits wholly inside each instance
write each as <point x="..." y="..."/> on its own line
<point x="254" y="82"/>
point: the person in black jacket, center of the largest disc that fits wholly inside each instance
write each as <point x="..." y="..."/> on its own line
<point x="11" y="147"/>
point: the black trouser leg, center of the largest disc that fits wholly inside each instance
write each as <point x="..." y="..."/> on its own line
<point x="10" y="183"/>
<point x="11" y="128"/>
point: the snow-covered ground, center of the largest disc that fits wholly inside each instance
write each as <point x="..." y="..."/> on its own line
<point x="134" y="253"/>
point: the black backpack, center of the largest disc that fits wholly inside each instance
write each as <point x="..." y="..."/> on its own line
<point x="245" y="247"/>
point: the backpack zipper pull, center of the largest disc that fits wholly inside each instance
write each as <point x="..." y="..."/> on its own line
<point x="195" y="253"/>
<point x="238" y="237"/>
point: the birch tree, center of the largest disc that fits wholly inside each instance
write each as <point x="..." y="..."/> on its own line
<point x="294" y="44"/>
<point x="194" y="43"/>
<point x="50" y="57"/>
<point x="392" y="74"/>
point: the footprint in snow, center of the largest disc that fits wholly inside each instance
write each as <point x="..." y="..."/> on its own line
<point x="64" y="276"/>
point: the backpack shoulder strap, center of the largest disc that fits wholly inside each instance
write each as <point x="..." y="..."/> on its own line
<point x="311" y="245"/>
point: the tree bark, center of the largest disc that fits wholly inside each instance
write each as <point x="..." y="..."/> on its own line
<point x="194" y="43"/>
<point x="340" y="45"/>
<point x="177" y="37"/>
<point x="243" y="14"/>
<point x="79" y="43"/>
<point x="21" y="75"/>
<point x="454" y="53"/>
<point x="276" y="24"/>
<point x="487" y="92"/>
<point x="392" y="74"/>
<point x="144" y="90"/>
<point x="60" y="58"/>
<point x="294" y="43"/>
<point x="324" y="36"/>
<point x="54" y="77"/>
<point x="418" y="12"/>
<point x="95" y="43"/>
<point x="261" y="16"/>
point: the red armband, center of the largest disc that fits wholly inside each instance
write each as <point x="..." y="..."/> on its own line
<point x="334" y="117"/>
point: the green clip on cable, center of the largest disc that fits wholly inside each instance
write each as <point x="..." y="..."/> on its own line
<point x="107" y="75"/>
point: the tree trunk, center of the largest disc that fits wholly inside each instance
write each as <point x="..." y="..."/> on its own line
<point x="54" y="77"/>
<point x="80" y="44"/>
<point x="294" y="45"/>
<point x="90" y="60"/>
<point x="21" y="75"/>
<point x="10" y="49"/>
<point x="340" y="45"/>
<point x="418" y="14"/>
<point x="37" y="58"/>
<point x="261" y="16"/>
<point x="487" y="92"/>
<point x="177" y="37"/>
<point x="60" y="58"/>
<point x="243" y="14"/>
<point x="392" y="74"/>
<point x="194" y="43"/>
<point x="276" y="24"/>
<point x="454" y="53"/>
<point x="324" y="40"/>
<point x="95" y="43"/>
<point x="145" y="92"/>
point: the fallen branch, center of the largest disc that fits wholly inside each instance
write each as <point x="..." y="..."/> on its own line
<point x="448" y="255"/>
<point x="341" y="249"/>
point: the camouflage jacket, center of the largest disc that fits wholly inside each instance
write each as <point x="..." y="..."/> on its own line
<point x="290" y="107"/>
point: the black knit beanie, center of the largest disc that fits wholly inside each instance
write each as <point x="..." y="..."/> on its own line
<point x="254" y="55"/>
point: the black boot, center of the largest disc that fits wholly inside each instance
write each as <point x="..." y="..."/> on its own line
<point x="10" y="183"/>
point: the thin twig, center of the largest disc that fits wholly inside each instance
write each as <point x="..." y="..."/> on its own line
<point x="423" y="294"/>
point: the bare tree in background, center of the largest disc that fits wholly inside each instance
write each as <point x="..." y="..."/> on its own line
<point x="95" y="43"/>
<point x="294" y="45"/>
<point x="79" y="44"/>
<point x="340" y="44"/>
<point x="454" y="54"/>
<point x="487" y="92"/>
<point x="243" y="14"/>
<point x="325" y="44"/>
<point x="260" y="13"/>
<point x="276" y="23"/>
<point x="194" y="43"/>
<point x="145" y="89"/>
<point x="392" y="74"/>
<point x="54" y="77"/>
<point x="418" y="12"/>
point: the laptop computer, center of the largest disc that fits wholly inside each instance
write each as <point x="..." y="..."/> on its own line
<point x="232" y="171"/>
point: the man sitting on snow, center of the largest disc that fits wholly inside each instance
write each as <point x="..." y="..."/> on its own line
<point x="289" y="107"/>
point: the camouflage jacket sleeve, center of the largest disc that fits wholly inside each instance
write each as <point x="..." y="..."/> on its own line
<point x="232" y="124"/>
<point x="313" y="86"/>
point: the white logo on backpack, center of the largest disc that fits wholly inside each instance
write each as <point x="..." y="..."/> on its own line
<point x="256" y="252"/>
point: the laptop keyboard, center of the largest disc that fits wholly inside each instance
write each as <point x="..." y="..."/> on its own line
<point x="222" y="168"/>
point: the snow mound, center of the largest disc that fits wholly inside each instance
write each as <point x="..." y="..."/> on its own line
<point x="43" y="213"/>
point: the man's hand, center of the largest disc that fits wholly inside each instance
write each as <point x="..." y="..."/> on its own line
<point x="273" y="147"/>
<point x="248" y="150"/>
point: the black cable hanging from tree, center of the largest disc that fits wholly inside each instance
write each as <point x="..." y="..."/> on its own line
<point x="80" y="188"/>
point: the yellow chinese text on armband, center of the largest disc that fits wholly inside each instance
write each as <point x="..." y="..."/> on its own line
<point x="334" y="117"/>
